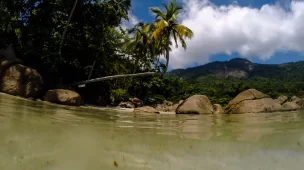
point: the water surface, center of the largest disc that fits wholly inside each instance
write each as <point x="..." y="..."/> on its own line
<point x="40" y="136"/>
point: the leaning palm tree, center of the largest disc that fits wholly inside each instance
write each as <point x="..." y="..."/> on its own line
<point x="167" y="27"/>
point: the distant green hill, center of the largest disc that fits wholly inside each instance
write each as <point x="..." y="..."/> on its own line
<point x="242" y="68"/>
<point x="222" y="81"/>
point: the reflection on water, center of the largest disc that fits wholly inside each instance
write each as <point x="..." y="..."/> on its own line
<point x="39" y="136"/>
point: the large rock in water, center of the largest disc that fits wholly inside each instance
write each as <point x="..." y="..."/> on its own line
<point x="252" y="101"/>
<point x="174" y="107"/>
<point x="162" y="108"/>
<point x="61" y="96"/>
<point x="300" y="103"/>
<point x="137" y="102"/>
<point x="167" y="106"/>
<point x="294" y="99"/>
<point x="16" y="79"/>
<point x="282" y="99"/>
<point x="197" y="104"/>
<point x="289" y="106"/>
<point x="19" y="80"/>
<point x="218" y="109"/>
<point x="145" y="110"/>
<point x="126" y="105"/>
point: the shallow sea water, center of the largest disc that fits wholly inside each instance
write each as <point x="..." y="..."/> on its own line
<point x="41" y="136"/>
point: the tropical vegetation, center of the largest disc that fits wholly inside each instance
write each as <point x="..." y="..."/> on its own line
<point x="68" y="41"/>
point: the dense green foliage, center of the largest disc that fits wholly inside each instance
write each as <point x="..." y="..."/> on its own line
<point x="95" y="46"/>
<point x="35" y="28"/>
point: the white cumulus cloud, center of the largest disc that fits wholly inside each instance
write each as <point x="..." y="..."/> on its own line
<point x="249" y="31"/>
<point x="133" y="20"/>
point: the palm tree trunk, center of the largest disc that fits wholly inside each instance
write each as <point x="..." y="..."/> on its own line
<point x="167" y="58"/>
<point x="167" y="52"/>
<point x="96" y="57"/>
<point x="136" y="63"/>
<point x="157" y="63"/>
<point x="116" y="77"/>
<point x="91" y="71"/>
<point x="68" y="23"/>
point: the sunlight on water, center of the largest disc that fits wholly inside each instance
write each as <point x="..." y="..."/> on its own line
<point x="39" y="136"/>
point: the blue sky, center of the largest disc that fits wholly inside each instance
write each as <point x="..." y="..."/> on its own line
<point x="271" y="45"/>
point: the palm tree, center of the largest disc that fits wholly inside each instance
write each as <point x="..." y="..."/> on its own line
<point x="143" y="46"/>
<point x="153" y="40"/>
<point x="167" y="28"/>
<point x="140" y="44"/>
<point x="140" y="41"/>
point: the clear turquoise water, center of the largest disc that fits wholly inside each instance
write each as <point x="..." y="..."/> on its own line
<point x="39" y="136"/>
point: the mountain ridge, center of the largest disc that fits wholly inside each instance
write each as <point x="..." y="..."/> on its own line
<point x="240" y="68"/>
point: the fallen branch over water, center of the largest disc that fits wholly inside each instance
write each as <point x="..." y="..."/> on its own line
<point x="116" y="77"/>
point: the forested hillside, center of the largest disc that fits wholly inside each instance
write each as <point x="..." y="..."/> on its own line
<point x="223" y="80"/>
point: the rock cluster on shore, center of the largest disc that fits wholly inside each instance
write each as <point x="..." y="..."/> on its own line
<point x="249" y="101"/>
<point x="19" y="80"/>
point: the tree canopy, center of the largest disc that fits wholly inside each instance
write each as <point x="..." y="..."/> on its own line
<point x="167" y="27"/>
<point x="64" y="39"/>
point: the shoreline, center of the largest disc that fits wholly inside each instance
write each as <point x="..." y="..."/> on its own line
<point x="85" y="107"/>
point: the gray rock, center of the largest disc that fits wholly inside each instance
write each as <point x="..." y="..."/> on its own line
<point x="126" y="105"/>
<point x="294" y="99"/>
<point x="289" y="106"/>
<point x="218" y="109"/>
<point x="19" y="80"/>
<point x="252" y="101"/>
<point x="282" y="99"/>
<point x="137" y="102"/>
<point x="62" y="96"/>
<point x="197" y="104"/>
<point x="300" y="103"/>
<point x="145" y="110"/>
